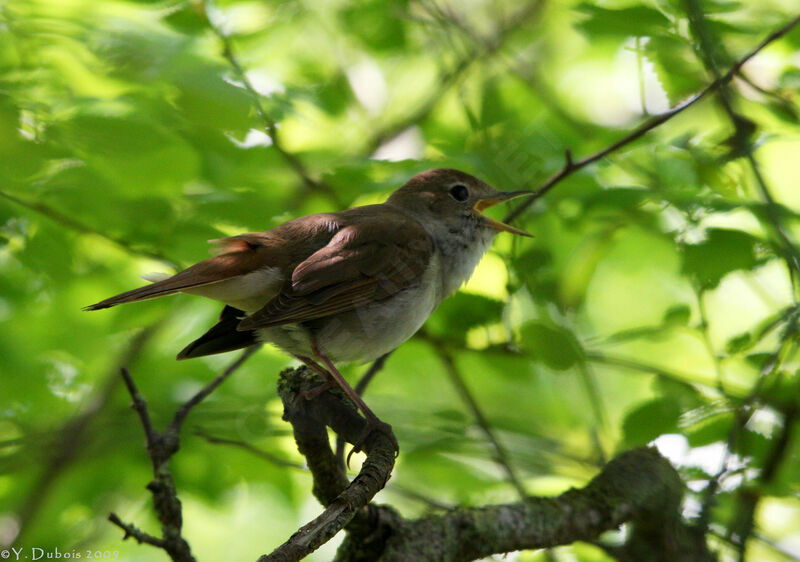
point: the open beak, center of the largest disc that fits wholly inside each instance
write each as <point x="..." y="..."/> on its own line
<point x="500" y="197"/>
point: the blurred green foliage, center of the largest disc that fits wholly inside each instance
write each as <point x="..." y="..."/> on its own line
<point x="656" y="302"/>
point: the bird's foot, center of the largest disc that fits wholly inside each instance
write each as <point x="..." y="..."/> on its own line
<point x="374" y="424"/>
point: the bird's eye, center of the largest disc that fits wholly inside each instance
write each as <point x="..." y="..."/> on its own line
<point x="459" y="192"/>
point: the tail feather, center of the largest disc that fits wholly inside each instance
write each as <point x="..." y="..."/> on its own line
<point x="213" y="270"/>
<point x="159" y="289"/>
<point x="222" y="337"/>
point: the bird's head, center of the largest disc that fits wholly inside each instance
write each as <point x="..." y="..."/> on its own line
<point x="454" y="198"/>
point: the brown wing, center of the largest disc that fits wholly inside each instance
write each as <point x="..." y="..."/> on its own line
<point x="283" y="247"/>
<point x="368" y="260"/>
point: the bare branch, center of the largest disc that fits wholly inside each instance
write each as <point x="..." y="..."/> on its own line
<point x="160" y="448"/>
<point x="638" y="486"/>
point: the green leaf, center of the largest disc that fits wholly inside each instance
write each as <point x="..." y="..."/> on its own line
<point x="739" y="343"/>
<point x="206" y="99"/>
<point x="651" y="419"/>
<point x="676" y="66"/>
<point x="783" y="109"/>
<point x="463" y="311"/>
<point x="556" y="347"/>
<point x="639" y="21"/>
<point x="370" y="22"/>
<point x="677" y="315"/>
<point x="713" y="429"/>
<point x="722" y="252"/>
<point x="687" y="396"/>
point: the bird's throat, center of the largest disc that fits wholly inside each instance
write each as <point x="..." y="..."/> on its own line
<point x="461" y="250"/>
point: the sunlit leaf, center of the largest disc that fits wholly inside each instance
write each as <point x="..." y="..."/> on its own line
<point x="555" y="346"/>
<point x="722" y="252"/>
<point x="650" y="420"/>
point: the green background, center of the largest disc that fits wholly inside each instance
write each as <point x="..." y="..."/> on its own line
<point x="656" y="301"/>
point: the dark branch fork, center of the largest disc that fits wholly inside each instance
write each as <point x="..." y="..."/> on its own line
<point x="161" y="446"/>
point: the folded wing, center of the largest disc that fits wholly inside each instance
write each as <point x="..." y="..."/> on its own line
<point x="369" y="259"/>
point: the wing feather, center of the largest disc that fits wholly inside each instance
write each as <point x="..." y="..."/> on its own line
<point x="367" y="260"/>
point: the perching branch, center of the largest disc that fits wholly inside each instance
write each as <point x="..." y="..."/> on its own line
<point x="638" y="487"/>
<point x="343" y="501"/>
<point x="571" y="166"/>
<point x="161" y="446"/>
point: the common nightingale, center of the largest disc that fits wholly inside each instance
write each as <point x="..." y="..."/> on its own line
<point x="346" y="286"/>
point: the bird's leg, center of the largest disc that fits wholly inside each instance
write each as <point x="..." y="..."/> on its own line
<point x="330" y="382"/>
<point x="373" y="422"/>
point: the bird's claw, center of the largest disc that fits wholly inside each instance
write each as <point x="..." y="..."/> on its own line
<point x="374" y="425"/>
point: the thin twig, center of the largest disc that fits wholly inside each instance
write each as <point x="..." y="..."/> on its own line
<point x="501" y="455"/>
<point x="77" y="226"/>
<point x="571" y="167"/>
<point x="269" y="124"/>
<point x="160" y="448"/>
<point x="183" y="411"/>
<point x="139" y="404"/>
<point x="135" y="532"/>
<point x="269" y="457"/>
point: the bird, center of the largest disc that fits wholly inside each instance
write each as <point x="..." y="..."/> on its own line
<point x="342" y="286"/>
